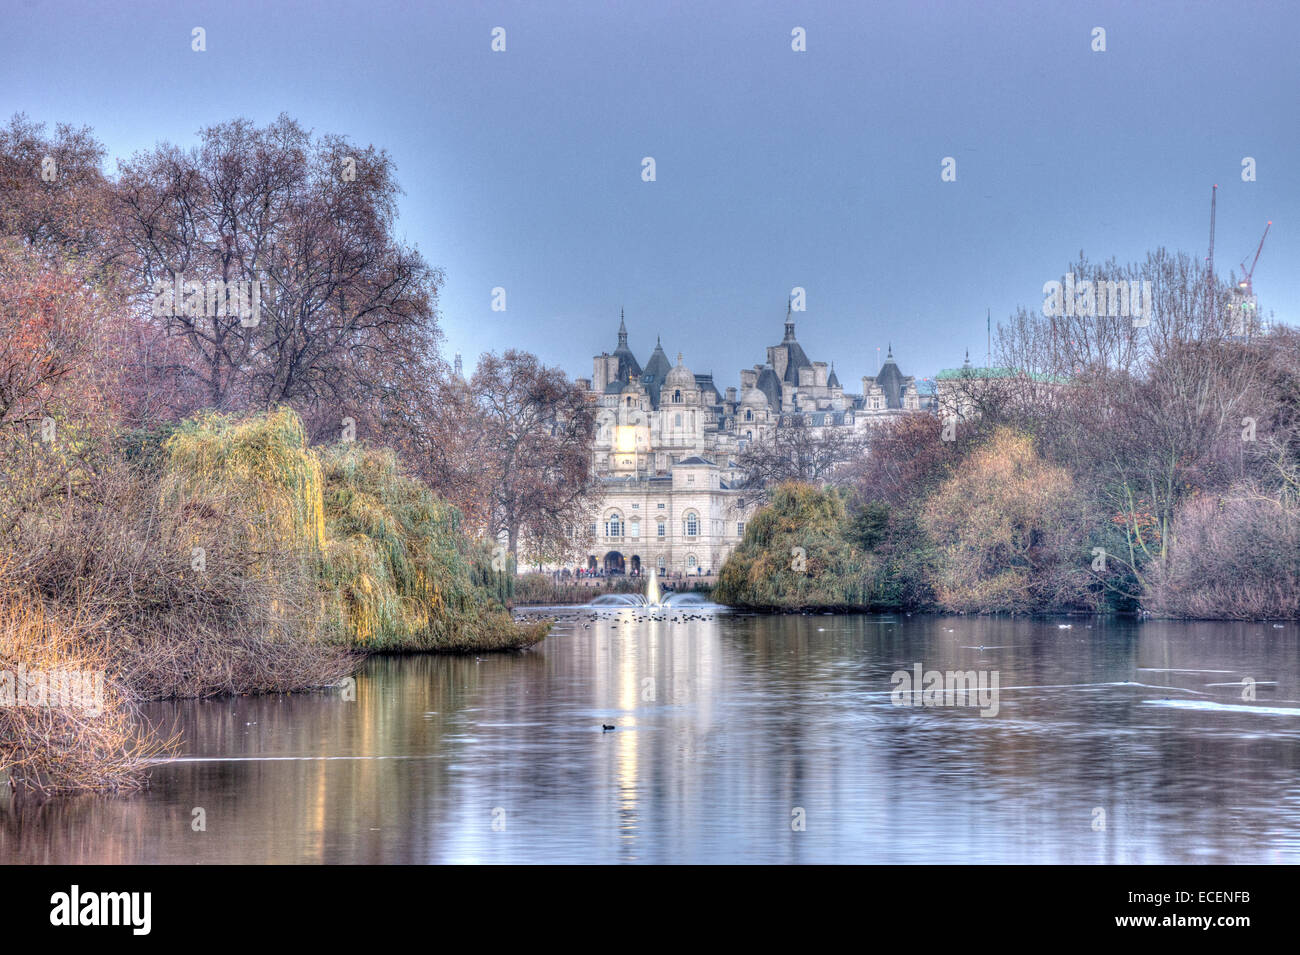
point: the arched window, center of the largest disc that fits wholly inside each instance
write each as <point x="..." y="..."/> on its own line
<point x="691" y="561"/>
<point x="691" y="524"/>
<point x="749" y="435"/>
<point x="677" y="397"/>
<point x="677" y="421"/>
<point x="614" y="525"/>
<point x="749" y="415"/>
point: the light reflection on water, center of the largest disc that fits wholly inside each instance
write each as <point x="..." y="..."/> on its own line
<point x="724" y="727"/>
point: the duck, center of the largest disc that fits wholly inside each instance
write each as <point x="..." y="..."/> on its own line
<point x="605" y="727"/>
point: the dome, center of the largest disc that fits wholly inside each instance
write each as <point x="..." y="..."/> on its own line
<point x="753" y="398"/>
<point x="680" y="376"/>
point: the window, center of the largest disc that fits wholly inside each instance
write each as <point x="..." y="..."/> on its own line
<point x="749" y="415"/>
<point x="662" y="527"/>
<point x="614" y="526"/>
<point x="594" y="529"/>
<point x="660" y="506"/>
<point x="677" y="421"/>
<point x="691" y="561"/>
<point x="634" y="528"/>
<point x="690" y="479"/>
<point x="740" y="528"/>
<point x="636" y="507"/>
<point x="677" y="398"/>
<point x="692" y="524"/>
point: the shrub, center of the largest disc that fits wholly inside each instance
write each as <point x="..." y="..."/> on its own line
<point x="1235" y="556"/>
<point x="60" y="736"/>
<point x="397" y="569"/>
<point x="1008" y="533"/>
<point x="794" y="554"/>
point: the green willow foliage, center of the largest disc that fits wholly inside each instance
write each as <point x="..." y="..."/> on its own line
<point x="799" y="552"/>
<point x="397" y="570"/>
<point x="391" y="561"/>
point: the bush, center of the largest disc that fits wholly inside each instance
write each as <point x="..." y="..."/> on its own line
<point x="183" y="552"/>
<point x="59" y="734"/>
<point x="397" y="569"/>
<point x="1236" y="556"/>
<point x="1007" y="528"/>
<point x="795" y="555"/>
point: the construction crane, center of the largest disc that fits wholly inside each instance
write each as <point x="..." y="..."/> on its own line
<point x="1248" y="273"/>
<point x="1209" y="272"/>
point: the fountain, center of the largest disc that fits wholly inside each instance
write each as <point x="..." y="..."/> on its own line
<point x="652" y="597"/>
<point x="652" y="589"/>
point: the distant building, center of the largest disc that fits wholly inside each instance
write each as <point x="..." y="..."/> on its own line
<point x="958" y="391"/>
<point x="667" y="442"/>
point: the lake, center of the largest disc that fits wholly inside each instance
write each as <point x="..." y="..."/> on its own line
<point x="739" y="738"/>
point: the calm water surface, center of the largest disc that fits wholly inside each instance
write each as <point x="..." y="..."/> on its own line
<point x="726" y="727"/>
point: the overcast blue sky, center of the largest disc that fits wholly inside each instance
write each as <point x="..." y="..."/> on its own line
<point x="775" y="169"/>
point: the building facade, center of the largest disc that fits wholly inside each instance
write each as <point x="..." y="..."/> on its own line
<point x="668" y="440"/>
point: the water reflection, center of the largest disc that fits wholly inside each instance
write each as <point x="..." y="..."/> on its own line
<point x="725" y="727"/>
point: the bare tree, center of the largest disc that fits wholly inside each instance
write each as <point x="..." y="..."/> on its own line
<point x="309" y="219"/>
<point x="798" y="451"/>
<point x="535" y="431"/>
<point x="1147" y="409"/>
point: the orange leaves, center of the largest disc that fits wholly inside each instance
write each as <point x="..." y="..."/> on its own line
<point x="53" y="355"/>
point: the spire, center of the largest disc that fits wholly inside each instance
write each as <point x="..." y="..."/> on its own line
<point x="889" y="354"/>
<point x="789" y="322"/>
<point x="622" y="330"/>
<point x="459" y="367"/>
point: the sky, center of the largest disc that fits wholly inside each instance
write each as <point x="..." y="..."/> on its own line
<point x="774" y="168"/>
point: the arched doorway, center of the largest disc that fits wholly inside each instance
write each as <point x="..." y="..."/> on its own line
<point x="636" y="565"/>
<point x="592" y="563"/>
<point x="614" y="563"/>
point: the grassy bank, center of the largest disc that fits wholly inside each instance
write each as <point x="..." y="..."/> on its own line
<point x="219" y="556"/>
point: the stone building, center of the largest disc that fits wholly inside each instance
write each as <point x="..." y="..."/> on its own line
<point x="667" y="443"/>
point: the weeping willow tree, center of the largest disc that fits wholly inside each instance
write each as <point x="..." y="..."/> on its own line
<point x="797" y="553"/>
<point x="388" y="559"/>
<point x="397" y="569"/>
<point x="263" y="460"/>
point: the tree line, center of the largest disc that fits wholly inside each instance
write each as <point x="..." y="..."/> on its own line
<point x="124" y="299"/>
<point x="1103" y="464"/>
